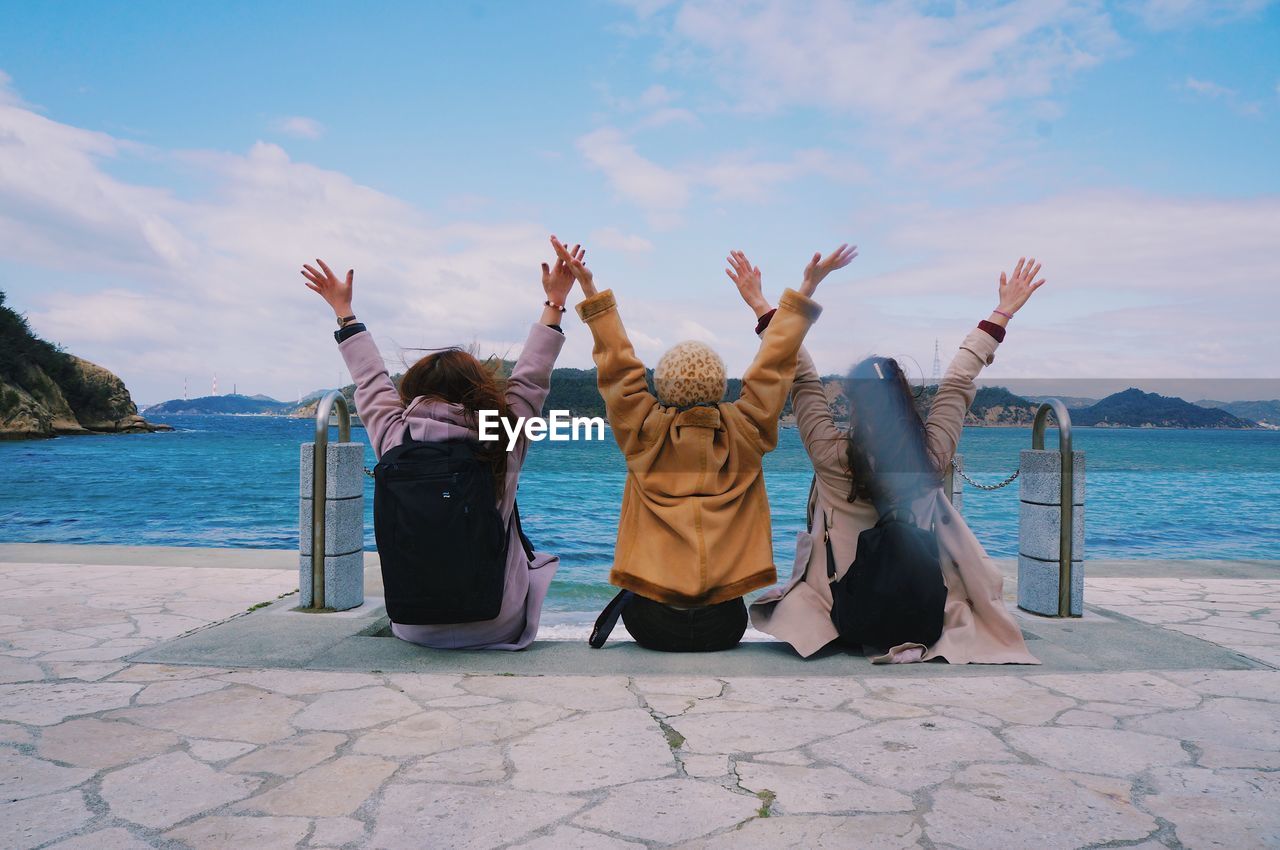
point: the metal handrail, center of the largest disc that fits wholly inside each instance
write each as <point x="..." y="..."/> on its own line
<point x="1067" y="498"/>
<point x="319" y="484"/>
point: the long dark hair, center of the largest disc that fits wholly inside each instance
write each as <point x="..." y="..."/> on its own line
<point x="456" y="376"/>
<point x="886" y="450"/>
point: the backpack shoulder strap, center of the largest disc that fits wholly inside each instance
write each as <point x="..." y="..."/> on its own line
<point x="826" y="541"/>
<point x="826" y="532"/>
<point x="608" y="619"/>
<point x="524" y="540"/>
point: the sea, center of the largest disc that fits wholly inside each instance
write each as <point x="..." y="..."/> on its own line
<point x="232" y="481"/>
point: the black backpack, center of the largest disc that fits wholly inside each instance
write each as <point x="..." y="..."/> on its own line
<point x="893" y="593"/>
<point x="441" y="539"/>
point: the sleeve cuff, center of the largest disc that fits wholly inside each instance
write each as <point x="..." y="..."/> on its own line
<point x="981" y="344"/>
<point x="764" y="321"/>
<point x="797" y="303"/>
<point x="344" y="334"/>
<point x="997" y="332"/>
<point x="599" y="303"/>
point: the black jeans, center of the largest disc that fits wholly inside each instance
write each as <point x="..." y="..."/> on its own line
<point x="707" y="629"/>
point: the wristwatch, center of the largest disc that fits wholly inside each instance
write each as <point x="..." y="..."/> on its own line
<point x="343" y="321"/>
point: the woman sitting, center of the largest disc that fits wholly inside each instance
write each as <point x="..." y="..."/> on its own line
<point x="891" y="458"/>
<point x="693" y="535"/>
<point x="438" y="401"/>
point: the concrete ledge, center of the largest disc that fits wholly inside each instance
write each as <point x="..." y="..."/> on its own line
<point x="1108" y="642"/>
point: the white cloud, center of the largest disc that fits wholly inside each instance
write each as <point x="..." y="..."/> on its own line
<point x="906" y="63"/>
<point x="663" y="192"/>
<point x="1229" y="96"/>
<point x="1177" y="14"/>
<point x="615" y="240"/>
<point x="1208" y="88"/>
<point x="659" y="190"/>
<point x="1137" y="285"/>
<point x="160" y="287"/>
<point x="299" y="127"/>
<point x="737" y="176"/>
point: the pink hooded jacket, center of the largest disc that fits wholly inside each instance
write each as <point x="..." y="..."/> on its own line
<point x="389" y="423"/>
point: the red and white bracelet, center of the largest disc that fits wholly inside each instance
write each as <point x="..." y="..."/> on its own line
<point x="559" y="307"/>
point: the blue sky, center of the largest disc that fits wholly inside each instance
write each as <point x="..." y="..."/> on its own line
<point x="164" y="168"/>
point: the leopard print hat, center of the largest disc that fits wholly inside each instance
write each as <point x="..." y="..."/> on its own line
<point x="689" y="373"/>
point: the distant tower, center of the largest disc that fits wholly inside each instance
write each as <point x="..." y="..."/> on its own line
<point x="184" y="389"/>
<point x="234" y="391"/>
<point x="215" y="383"/>
<point x="937" y="365"/>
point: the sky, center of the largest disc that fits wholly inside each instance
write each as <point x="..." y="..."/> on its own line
<point x="166" y="168"/>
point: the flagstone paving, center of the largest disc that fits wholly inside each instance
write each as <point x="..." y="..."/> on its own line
<point x="97" y="752"/>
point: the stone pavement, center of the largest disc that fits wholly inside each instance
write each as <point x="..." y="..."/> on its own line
<point x="100" y="752"/>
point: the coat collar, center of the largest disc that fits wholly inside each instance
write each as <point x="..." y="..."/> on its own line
<point x="699" y="417"/>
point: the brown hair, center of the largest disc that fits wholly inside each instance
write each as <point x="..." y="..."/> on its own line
<point x="887" y="452"/>
<point x="456" y="376"/>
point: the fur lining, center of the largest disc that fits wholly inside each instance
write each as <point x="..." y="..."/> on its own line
<point x="798" y="303"/>
<point x="596" y="304"/>
<point x="635" y="584"/>
<point x="698" y="417"/>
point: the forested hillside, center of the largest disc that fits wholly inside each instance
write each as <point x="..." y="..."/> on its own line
<point x="45" y="392"/>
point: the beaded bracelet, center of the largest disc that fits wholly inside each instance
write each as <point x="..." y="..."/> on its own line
<point x="559" y="307"/>
<point x="1003" y="313"/>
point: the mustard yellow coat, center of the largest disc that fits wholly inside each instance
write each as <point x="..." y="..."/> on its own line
<point x="694" y="528"/>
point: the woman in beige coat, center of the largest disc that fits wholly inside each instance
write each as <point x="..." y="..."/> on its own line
<point x="977" y="627"/>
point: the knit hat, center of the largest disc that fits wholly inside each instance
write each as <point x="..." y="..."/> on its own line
<point x="689" y="373"/>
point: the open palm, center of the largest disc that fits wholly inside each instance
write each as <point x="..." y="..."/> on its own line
<point x="557" y="280"/>
<point x="819" y="267"/>
<point x="330" y="287"/>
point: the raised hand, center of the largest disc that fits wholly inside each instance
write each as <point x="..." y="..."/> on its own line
<point x="579" y="271"/>
<point x="819" y="267"/>
<point x="1015" y="290"/>
<point x="558" y="281"/>
<point x="747" y="278"/>
<point x="333" y="290"/>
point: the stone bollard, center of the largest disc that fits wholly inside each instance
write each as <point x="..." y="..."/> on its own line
<point x="956" y="483"/>
<point x="343" y="526"/>
<point x="1039" y="526"/>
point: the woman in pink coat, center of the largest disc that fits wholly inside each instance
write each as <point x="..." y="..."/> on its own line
<point x="439" y="399"/>
<point x="891" y="451"/>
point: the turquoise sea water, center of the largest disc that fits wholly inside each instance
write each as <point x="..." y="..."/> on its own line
<point x="233" y="481"/>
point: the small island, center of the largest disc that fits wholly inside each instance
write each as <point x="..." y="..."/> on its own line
<point x="45" y="392"/>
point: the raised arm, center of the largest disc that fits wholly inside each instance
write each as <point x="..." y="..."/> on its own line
<point x="769" y="377"/>
<point x="620" y="374"/>
<point x="946" y="414"/>
<point x="377" y="399"/>
<point x="530" y="380"/>
<point x="808" y="397"/>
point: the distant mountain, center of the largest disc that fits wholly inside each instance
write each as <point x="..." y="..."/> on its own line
<point x="991" y="406"/>
<point x="1071" y="401"/>
<point x="575" y="390"/>
<point x="265" y="398"/>
<point x="220" y="404"/>
<point x="1264" y="412"/>
<point x="1133" y="408"/>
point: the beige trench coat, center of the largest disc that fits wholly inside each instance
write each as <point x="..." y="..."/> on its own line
<point x="977" y="625"/>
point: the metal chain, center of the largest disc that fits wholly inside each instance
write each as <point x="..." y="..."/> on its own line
<point x="368" y="472"/>
<point x="1004" y="483"/>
